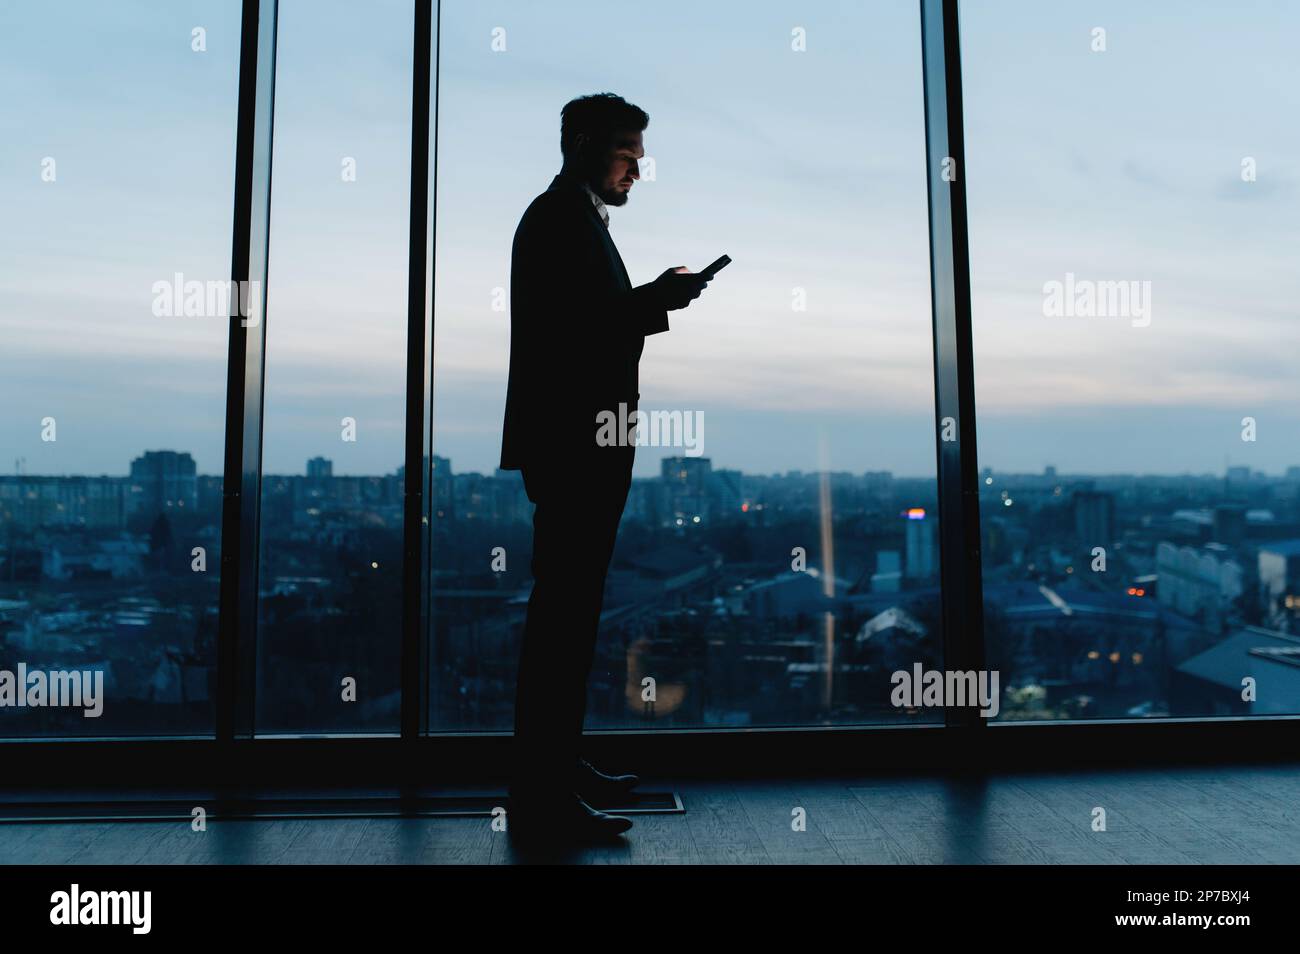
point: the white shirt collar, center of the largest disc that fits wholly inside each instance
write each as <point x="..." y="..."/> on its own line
<point x="600" y="206"/>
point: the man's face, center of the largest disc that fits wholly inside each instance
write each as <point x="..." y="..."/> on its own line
<point x="615" y="169"/>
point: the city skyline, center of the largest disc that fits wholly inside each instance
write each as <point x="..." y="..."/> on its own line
<point x="1290" y="471"/>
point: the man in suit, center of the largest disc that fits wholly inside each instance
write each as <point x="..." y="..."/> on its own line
<point x="577" y="330"/>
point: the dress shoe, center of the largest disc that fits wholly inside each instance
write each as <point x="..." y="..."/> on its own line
<point x="601" y="790"/>
<point x="562" y="818"/>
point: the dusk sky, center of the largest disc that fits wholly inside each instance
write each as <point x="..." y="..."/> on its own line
<point x="807" y="168"/>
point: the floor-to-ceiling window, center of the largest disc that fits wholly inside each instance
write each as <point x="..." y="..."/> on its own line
<point x="117" y="143"/>
<point x="778" y="556"/>
<point x="1134" y="192"/>
<point x="330" y="589"/>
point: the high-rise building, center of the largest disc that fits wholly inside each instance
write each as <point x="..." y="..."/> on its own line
<point x="163" y="481"/>
<point x="727" y="492"/>
<point x="1094" y="519"/>
<point x="319" y="468"/>
<point x="921" y="563"/>
<point x="686" y="489"/>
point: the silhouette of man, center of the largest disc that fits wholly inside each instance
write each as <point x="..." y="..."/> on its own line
<point x="577" y="330"/>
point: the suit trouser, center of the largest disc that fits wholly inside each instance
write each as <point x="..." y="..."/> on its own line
<point x="579" y="501"/>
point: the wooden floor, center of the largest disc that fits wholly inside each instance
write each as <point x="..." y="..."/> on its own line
<point x="1231" y="815"/>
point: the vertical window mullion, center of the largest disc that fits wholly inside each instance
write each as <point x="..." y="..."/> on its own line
<point x="960" y="574"/>
<point x="237" y="639"/>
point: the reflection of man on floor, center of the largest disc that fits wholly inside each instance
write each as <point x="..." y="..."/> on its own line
<point x="577" y="329"/>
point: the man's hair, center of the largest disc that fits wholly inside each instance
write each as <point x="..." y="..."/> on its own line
<point x="599" y="116"/>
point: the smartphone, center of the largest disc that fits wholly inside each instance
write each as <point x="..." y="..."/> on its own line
<point x="716" y="267"/>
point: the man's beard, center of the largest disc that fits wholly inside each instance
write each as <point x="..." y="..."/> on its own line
<point x="613" y="196"/>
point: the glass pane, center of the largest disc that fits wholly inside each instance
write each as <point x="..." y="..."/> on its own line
<point x="781" y="569"/>
<point x="331" y="562"/>
<point x="117" y="144"/>
<point x="1133" y="203"/>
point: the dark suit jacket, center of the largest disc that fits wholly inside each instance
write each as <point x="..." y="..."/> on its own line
<point x="577" y="328"/>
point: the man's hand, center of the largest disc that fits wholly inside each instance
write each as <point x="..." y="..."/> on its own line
<point x="676" y="288"/>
